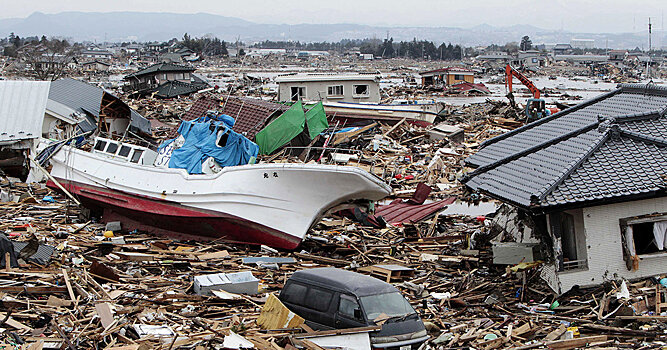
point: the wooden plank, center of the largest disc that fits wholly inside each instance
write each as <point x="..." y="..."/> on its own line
<point x="69" y="286"/>
<point x="325" y="260"/>
<point x="13" y="323"/>
<point x="556" y="333"/>
<point x="576" y="343"/>
<point x="105" y="313"/>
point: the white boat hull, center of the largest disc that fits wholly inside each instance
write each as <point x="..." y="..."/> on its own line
<point x="274" y="204"/>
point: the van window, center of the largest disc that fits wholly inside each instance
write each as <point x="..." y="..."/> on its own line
<point x="392" y="304"/>
<point x="294" y="293"/>
<point x="318" y="299"/>
<point x="347" y="306"/>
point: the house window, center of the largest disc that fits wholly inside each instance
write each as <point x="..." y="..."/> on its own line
<point x="568" y="229"/>
<point x="644" y="238"/>
<point x="361" y="90"/>
<point x="336" y="90"/>
<point x="459" y="77"/>
<point x="297" y="93"/>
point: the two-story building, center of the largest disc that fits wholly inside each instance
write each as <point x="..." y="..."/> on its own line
<point x="165" y="79"/>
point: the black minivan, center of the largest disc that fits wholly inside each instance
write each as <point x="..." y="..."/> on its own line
<point x="330" y="298"/>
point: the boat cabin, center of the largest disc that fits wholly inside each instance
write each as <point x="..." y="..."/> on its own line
<point x="124" y="151"/>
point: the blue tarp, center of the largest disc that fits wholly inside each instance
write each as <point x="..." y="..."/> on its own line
<point x="200" y="143"/>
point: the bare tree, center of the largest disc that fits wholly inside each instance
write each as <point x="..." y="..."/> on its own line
<point x="48" y="59"/>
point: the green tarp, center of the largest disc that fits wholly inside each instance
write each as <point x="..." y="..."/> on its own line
<point x="282" y="130"/>
<point x="317" y="120"/>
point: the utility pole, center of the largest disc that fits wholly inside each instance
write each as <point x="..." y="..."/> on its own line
<point x="606" y="47"/>
<point x="649" y="34"/>
<point x="648" y="63"/>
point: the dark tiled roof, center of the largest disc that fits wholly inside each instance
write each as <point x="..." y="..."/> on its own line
<point x="627" y="100"/>
<point x="576" y="156"/>
<point x="161" y="67"/>
<point x="251" y="114"/>
<point x="175" y="88"/>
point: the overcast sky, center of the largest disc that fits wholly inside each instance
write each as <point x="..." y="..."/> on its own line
<point x="578" y="16"/>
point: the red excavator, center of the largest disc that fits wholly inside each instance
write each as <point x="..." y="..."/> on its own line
<point x="535" y="107"/>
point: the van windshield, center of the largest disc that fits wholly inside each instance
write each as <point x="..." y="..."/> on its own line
<point x="392" y="304"/>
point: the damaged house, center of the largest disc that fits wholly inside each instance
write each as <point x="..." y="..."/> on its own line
<point x="591" y="180"/>
<point x="22" y="106"/>
<point x="58" y="110"/>
<point x="71" y="101"/>
<point x="165" y="80"/>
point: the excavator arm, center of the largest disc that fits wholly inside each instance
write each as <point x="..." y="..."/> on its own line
<point x="511" y="72"/>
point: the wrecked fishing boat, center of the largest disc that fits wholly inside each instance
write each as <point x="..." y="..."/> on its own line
<point x="422" y="113"/>
<point x="204" y="185"/>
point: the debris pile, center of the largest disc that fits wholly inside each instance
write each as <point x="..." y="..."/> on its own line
<point x="69" y="282"/>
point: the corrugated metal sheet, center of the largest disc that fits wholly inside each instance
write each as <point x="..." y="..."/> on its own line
<point x="399" y="212"/>
<point x="22" y="106"/>
<point x="82" y="97"/>
<point x="77" y="95"/>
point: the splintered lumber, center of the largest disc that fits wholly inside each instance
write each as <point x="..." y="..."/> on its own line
<point x="322" y="259"/>
<point x="69" y="286"/>
<point x="275" y="315"/>
<point x="618" y="330"/>
<point x="576" y="342"/>
<point x="13" y="323"/>
<point x="556" y="333"/>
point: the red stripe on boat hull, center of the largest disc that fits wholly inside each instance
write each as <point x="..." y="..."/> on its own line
<point x="173" y="219"/>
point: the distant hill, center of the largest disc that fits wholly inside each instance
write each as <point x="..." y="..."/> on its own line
<point x="139" y="26"/>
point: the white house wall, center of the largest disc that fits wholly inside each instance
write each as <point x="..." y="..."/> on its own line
<point x="604" y="245"/>
<point x="317" y="90"/>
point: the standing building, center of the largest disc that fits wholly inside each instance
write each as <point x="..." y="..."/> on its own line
<point x="329" y="87"/>
<point x="166" y="80"/>
<point x="447" y="76"/>
<point x="590" y="184"/>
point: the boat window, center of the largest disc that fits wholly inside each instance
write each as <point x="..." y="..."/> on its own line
<point x="113" y="147"/>
<point x="124" y="151"/>
<point x="136" y="156"/>
<point x="99" y="146"/>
